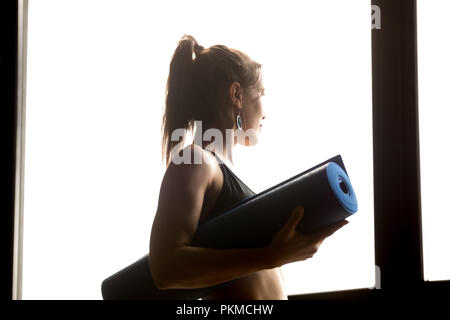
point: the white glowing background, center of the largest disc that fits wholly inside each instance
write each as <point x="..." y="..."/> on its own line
<point x="96" y="77"/>
<point x="434" y="118"/>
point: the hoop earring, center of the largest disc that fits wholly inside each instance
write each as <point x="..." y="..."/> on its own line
<point x="239" y="121"/>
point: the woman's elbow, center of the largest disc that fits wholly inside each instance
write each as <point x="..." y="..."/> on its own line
<point x="160" y="275"/>
<point x="160" y="283"/>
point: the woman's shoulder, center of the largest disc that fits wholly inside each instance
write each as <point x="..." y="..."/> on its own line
<point x="194" y="164"/>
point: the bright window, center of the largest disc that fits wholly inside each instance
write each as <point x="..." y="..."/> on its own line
<point x="434" y="118"/>
<point x="96" y="77"/>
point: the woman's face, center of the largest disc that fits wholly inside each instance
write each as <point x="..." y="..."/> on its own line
<point x="252" y="112"/>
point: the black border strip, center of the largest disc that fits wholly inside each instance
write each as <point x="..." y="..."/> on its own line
<point x="8" y="73"/>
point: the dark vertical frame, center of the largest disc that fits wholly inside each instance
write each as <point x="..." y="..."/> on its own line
<point x="8" y="73"/>
<point x="398" y="241"/>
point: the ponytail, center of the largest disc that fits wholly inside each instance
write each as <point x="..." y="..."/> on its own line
<point x="178" y="110"/>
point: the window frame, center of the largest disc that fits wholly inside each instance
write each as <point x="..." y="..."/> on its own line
<point x="396" y="158"/>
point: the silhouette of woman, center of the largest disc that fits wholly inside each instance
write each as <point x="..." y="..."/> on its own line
<point x="222" y="88"/>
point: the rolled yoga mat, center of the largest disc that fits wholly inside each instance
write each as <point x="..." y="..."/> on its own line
<point x="325" y="192"/>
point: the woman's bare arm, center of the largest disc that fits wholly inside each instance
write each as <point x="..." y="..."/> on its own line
<point x="177" y="264"/>
<point x="174" y="262"/>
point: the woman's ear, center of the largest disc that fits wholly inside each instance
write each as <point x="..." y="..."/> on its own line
<point x="236" y="94"/>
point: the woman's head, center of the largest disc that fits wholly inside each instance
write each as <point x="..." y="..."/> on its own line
<point x="211" y="85"/>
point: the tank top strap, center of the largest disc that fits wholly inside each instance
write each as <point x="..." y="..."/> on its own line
<point x="233" y="190"/>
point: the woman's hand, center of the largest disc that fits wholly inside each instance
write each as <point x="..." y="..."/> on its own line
<point x="288" y="245"/>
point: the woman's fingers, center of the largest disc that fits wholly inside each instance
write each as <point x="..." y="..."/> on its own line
<point x="296" y="245"/>
<point x="294" y="219"/>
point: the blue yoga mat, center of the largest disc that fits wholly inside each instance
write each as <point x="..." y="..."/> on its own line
<point x="325" y="191"/>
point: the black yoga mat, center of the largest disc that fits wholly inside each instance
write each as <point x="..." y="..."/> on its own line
<point x="324" y="190"/>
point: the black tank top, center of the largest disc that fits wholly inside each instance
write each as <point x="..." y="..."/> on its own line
<point x="233" y="192"/>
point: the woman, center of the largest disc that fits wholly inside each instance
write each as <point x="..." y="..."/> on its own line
<point x="222" y="88"/>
